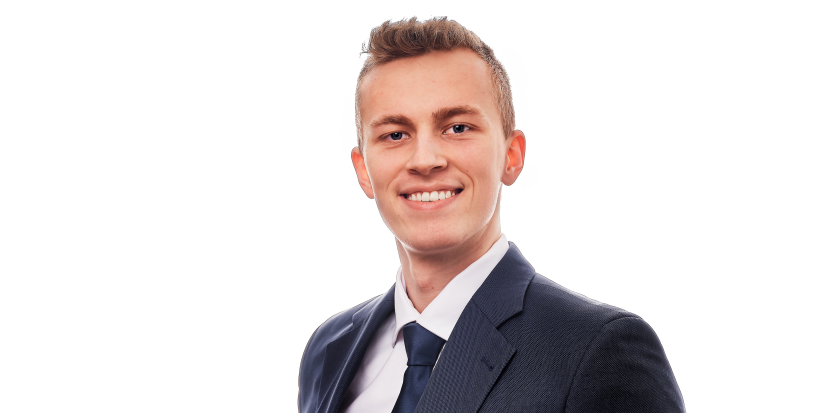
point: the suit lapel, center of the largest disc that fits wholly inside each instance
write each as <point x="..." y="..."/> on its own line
<point x="470" y="364"/>
<point x="476" y="352"/>
<point x="344" y="354"/>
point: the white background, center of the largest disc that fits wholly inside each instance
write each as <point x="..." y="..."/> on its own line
<point x="178" y="211"/>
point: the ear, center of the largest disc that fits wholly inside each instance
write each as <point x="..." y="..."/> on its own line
<point x="517" y="145"/>
<point x="361" y="172"/>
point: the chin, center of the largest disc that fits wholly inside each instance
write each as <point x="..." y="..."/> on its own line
<point x="431" y="240"/>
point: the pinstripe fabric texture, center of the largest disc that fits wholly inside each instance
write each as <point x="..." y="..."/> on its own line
<point x="522" y="344"/>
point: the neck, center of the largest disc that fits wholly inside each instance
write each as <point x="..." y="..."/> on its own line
<point x="427" y="273"/>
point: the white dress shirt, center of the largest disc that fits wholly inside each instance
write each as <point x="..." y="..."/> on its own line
<point x="378" y="381"/>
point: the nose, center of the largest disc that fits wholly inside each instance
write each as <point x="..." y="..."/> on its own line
<point x="427" y="157"/>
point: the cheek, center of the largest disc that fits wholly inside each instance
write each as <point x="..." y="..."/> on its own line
<point x="484" y="167"/>
<point x="380" y="172"/>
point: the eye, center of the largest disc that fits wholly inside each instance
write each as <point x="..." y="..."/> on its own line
<point x="395" y="136"/>
<point x="458" y="129"/>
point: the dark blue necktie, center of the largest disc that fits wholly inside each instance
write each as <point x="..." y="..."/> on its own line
<point x="422" y="348"/>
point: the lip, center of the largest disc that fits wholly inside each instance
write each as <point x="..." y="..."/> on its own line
<point x="429" y="206"/>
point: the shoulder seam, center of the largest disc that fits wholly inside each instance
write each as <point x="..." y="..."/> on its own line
<point x="351" y="308"/>
<point x="587" y="350"/>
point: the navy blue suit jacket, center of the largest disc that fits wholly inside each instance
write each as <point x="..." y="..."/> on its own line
<point x="522" y="344"/>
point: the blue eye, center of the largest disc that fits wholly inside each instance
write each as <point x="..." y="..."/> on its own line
<point x="396" y="136"/>
<point x="459" y="128"/>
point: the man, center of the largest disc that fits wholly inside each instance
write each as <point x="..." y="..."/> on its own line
<point x="468" y="326"/>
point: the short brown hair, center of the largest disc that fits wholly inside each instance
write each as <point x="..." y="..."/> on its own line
<point x="409" y="38"/>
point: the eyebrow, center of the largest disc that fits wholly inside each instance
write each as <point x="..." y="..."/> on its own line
<point x="438" y="116"/>
<point x="391" y="120"/>
<point x="446" y="113"/>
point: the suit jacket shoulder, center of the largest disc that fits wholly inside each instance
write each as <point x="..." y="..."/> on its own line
<point x="546" y="297"/>
<point x="331" y="329"/>
<point x="334" y="352"/>
<point x="527" y="344"/>
<point x="576" y="354"/>
<point x="613" y="358"/>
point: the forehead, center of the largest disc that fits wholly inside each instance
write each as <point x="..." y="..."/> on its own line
<point x="418" y="86"/>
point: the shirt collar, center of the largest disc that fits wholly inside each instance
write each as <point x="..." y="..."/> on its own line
<point x="442" y="314"/>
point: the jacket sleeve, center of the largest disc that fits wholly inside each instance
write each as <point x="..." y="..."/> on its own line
<point x="625" y="370"/>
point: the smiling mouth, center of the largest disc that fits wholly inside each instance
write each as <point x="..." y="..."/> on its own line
<point x="432" y="196"/>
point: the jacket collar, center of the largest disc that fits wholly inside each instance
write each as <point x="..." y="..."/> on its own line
<point x="502" y="294"/>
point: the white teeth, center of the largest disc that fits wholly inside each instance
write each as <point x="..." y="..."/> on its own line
<point x="430" y="196"/>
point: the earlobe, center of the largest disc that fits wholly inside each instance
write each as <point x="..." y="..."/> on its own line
<point x="361" y="172"/>
<point x="515" y="158"/>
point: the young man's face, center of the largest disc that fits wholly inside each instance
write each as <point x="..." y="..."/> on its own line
<point x="431" y="124"/>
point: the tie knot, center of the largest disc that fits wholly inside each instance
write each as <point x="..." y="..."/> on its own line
<point x="422" y="345"/>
